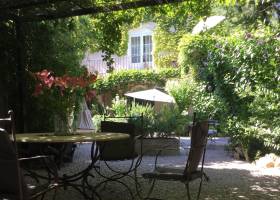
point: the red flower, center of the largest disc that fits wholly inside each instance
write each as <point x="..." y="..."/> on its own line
<point x="64" y="83"/>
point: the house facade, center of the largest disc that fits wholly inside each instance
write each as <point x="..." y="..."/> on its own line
<point x="139" y="52"/>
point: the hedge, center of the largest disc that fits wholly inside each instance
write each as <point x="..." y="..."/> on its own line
<point x="121" y="79"/>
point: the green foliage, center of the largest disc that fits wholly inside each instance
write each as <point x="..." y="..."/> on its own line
<point x="96" y="119"/>
<point x="253" y="14"/>
<point x="119" y="107"/>
<point x="169" y="121"/>
<point x="244" y="69"/>
<point x="182" y="91"/>
<point x="166" y="122"/>
<point x="194" y="52"/>
<point x="9" y="92"/>
<point x="110" y="37"/>
<point x="55" y="45"/>
<point x="119" y="80"/>
<point x="109" y="30"/>
<point x="191" y="95"/>
<point x="148" y="117"/>
<point x="166" y="47"/>
<point x="173" y="21"/>
<point x="179" y="15"/>
<point x="58" y="46"/>
<point x="96" y="107"/>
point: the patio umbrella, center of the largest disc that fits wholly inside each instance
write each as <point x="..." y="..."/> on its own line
<point x="206" y="24"/>
<point x="151" y="95"/>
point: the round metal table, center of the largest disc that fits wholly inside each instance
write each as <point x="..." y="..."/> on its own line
<point x="77" y="137"/>
<point x="72" y="180"/>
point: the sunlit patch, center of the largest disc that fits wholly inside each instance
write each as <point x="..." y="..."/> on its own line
<point x="235" y="164"/>
<point x="242" y="165"/>
<point x="264" y="189"/>
<point x="242" y="197"/>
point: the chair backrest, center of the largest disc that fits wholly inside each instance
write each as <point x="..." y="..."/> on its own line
<point x="198" y="146"/>
<point x="8" y="123"/>
<point x="118" y="150"/>
<point x="11" y="180"/>
<point x="118" y="127"/>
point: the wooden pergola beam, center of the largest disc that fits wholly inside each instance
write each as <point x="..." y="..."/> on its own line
<point x="59" y="14"/>
<point x="25" y="3"/>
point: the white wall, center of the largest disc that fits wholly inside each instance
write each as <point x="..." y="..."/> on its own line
<point x="94" y="62"/>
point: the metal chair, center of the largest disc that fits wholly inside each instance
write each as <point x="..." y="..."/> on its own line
<point x="12" y="177"/>
<point x="191" y="171"/>
<point x="120" y="151"/>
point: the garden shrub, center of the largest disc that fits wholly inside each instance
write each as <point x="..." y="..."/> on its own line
<point x="148" y="118"/>
<point x="166" y="122"/>
<point x="116" y="81"/>
<point x="244" y="69"/>
<point x="182" y="91"/>
<point x="169" y="121"/>
<point x="191" y="95"/>
<point x="121" y="108"/>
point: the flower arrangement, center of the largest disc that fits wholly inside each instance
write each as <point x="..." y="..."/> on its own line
<point x="63" y="94"/>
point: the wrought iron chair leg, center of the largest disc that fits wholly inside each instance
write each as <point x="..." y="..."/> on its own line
<point x="137" y="185"/>
<point x="188" y="191"/>
<point x="95" y="194"/>
<point x="199" y="189"/>
<point x="206" y="177"/>
<point x="43" y="195"/>
<point x="101" y="184"/>
<point x="150" y="190"/>
<point x="54" y="195"/>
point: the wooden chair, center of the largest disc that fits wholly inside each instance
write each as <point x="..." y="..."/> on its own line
<point x="191" y="171"/>
<point x="12" y="177"/>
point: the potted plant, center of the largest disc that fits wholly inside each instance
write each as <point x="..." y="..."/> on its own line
<point x="64" y="94"/>
<point x="158" y="128"/>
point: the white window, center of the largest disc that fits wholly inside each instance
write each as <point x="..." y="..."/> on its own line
<point x="135" y="50"/>
<point x="147" y="48"/>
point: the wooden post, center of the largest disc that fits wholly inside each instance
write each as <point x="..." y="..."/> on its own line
<point x="20" y="75"/>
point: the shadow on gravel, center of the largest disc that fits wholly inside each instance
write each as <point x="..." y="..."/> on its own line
<point x="229" y="180"/>
<point x="224" y="184"/>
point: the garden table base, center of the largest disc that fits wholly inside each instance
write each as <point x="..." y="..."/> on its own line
<point x="79" y="180"/>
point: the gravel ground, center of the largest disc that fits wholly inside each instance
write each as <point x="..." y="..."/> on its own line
<point x="229" y="179"/>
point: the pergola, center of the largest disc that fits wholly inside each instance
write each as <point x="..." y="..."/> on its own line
<point x="24" y="11"/>
<point x="38" y="10"/>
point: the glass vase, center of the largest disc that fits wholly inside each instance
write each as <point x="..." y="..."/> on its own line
<point x="64" y="123"/>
